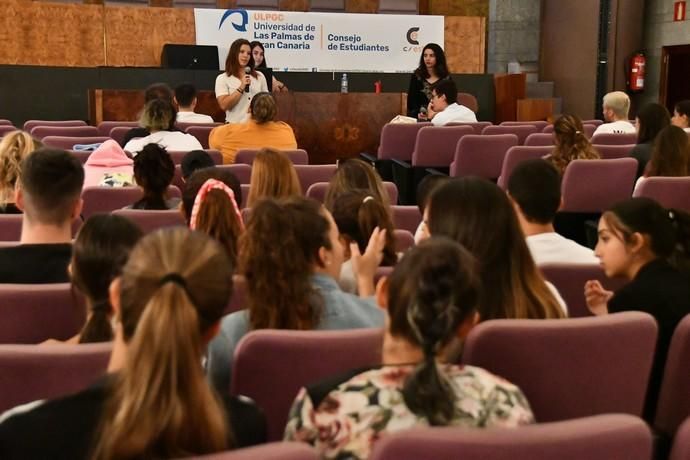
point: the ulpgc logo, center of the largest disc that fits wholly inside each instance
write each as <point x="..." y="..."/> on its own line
<point x="238" y="27"/>
<point x="412" y="36"/>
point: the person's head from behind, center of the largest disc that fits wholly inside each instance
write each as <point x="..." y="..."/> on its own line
<point x="258" y="54"/>
<point x="285" y="243"/>
<point x="198" y="178"/>
<point x="273" y="176"/>
<point x="357" y="214"/>
<point x="639" y="230"/>
<point x="671" y="153"/>
<point x="651" y="119"/>
<point x="534" y="188"/>
<point x="681" y="114"/>
<point x="168" y="302"/>
<point x="443" y="93"/>
<point x="185" y="96"/>
<point x="263" y="108"/>
<point x="153" y="172"/>
<point x="355" y="174"/>
<point x="158" y="115"/>
<point x="478" y="215"/>
<point x="14" y="147"/>
<point x="99" y="252"/>
<point x="195" y="160"/>
<point x="570" y="141"/>
<point x="432" y="58"/>
<point x="239" y="57"/>
<point x="158" y="91"/>
<point x="431" y="299"/>
<point x="616" y="106"/>
<point x="49" y="190"/>
<point x="426" y="187"/>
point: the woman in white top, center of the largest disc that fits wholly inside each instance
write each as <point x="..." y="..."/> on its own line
<point x="235" y="87"/>
<point x="157" y="118"/>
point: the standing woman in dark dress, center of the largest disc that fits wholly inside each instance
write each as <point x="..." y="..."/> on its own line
<point x="432" y="68"/>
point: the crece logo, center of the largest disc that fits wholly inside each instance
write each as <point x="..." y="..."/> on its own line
<point x="412" y="36"/>
<point x="238" y="27"/>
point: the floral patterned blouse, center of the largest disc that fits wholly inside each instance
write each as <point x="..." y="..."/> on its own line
<point x="344" y="420"/>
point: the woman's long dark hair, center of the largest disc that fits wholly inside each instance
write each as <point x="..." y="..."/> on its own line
<point x="253" y="45"/>
<point x="441" y="68"/>
<point x="153" y="172"/>
<point x="652" y="118"/>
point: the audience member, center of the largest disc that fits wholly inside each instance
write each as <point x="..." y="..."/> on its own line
<point x="670" y="155"/>
<point x="443" y="107"/>
<point x="616" y="107"/>
<point x="261" y="130"/>
<point x="477" y="214"/>
<point x="571" y="143"/>
<point x="432" y="68"/>
<point x="650" y="247"/>
<point x="49" y="193"/>
<point x="155" y="401"/>
<point x="154" y="91"/>
<point x="430" y="301"/>
<point x="14" y="147"/>
<point x="157" y="118"/>
<point x="198" y="178"/>
<point x="651" y="119"/>
<point x="681" y="115"/>
<point x="193" y="161"/>
<point x="108" y="165"/>
<point x="291" y="257"/>
<point x="153" y="172"/>
<point x="355" y="174"/>
<point x="185" y="98"/>
<point x="534" y="188"/>
<point x="357" y="214"/>
<point x="260" y="63"/>
<point x="273" y="176"/>
<point x="424" y="190"/>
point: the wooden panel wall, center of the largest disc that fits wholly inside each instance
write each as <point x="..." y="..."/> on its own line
<point x="465" y="44"/>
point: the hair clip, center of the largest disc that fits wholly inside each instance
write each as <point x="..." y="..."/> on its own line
<point x="367" y="198"/>
<point x="671" y="215"/>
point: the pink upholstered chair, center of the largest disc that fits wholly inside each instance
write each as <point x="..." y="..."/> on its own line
<point x="477" y="126"/>
<point x="31" y="124"/>
<point x="469" y="101"/>
<point x="517" y="154"/>
<point x="539" y="124"/>
<point x="397" y="141"/>
<point x="265" y="369"/>
<point x="404" y="240"/>
<point x="406" y="218"/>
<point x="435" y="145"/>
<point x="566" y="367"/>
<point x="39" y="132"/>
<point x="105" y="127"/>
<point x="548" y="129"/>
<point x="674" y="398"/>
<point x="4" y="129"/>
<point x="481" y="155"/>
<point x="5" y="122"/>
<point x="245" y="195"/>
<point x="591" y="186"/>
<point x="80" y="155"/>
<point x="11" y="227"/>
<point x="311" y="174"/>
<point x="182" y="126"/>
<point x="601" y="437"/>
<point x="296" y="156"/>
<point x="118" y="133"/>
<point x="539" y="139"/>
<point x="270" y="451"/>
<point x="670" y="192"/>
<point x="178" y="155"/>
<point x="239" y="295"/>
<point x="614" y="139"/>
<point x="243" y="172"/>
<point x="520" y="131"/>
<point x="201" y="132"/>
<point x="681" y="443"/>
<point x="108" y="199"/>
<point x="596" y="123"/>
<point x="67" y="142"/>
<point x="149" y="221"/>
<point x="589" y="130"/>
<point x="32" y="372"/>
<point x="610" y="152"/>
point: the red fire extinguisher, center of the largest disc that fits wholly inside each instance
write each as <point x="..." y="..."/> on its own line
<point x="636" y="72"/>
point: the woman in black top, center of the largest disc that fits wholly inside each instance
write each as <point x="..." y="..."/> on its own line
<point x="432" y="68"/>
<point x="650" y="120"/>
<point x="650" y="246"/>
<point x="156" y="403"/>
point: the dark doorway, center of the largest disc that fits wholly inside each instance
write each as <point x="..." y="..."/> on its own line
<point x="675" y="75"/>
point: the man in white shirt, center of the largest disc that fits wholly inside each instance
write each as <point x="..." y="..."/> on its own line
<point x="616" y="107"/>
<point x="534" y="188"/>
<point x="185" y="98"/>
<point x="444" y="109"/>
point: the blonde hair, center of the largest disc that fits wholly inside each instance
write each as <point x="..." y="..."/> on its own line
<point x="618" y="102"/>
<point x="354" y="174"/>
<point x="14" y="147"/>
<point x="263" y="108"/>
<point x="571" y="143"/>
<point x="273" y="176"/>
<point x="174" y="289"/>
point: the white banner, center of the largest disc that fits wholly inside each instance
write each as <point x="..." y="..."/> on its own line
<point x="323" y="42"/>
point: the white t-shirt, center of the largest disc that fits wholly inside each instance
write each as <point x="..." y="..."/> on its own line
<point x="193" y="117"/>
<point x="171" y="140"/>
<point x="616" y="127"/>
<point x="454" y="113"/>
<point x="552" y="248"/>
<point x="227" y="84"/>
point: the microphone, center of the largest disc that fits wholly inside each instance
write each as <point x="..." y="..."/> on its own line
<point x="247" y="71"/>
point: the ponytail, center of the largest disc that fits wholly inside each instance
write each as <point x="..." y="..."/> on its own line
<point x="97" y="327"/>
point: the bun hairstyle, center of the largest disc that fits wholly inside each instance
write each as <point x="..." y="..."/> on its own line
<point x="14" y="147"/>
<point x="153" y="172"/>
<point x="173" y="291"/>
<point x="263" y="108"/>
<point x="432" y="291"/>
<point x="99" y="252"/>
<point x="571" y="142"/>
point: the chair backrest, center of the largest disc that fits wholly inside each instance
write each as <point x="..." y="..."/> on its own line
<point x="601" y="437"/>
<point x="520" y="131"/>
<point x="404" y="240"/>
<point x="81" y="155"/>
<point x="570" y="281"/>
<point x="681" y="442"/>
<point x="318" y="191"/>
<point x="201" y="132"/>
<point x="39" y="132"/>
<point x="589" y="130"/>
<point x="105" y="127"/>
<point x="296" y="156"/>
<point x="674" y="398"/>
<point x="32" y="313"/>
<point x="11" y="227"/>
<point x="264" y="365"/>
<point x="406" y="218"/>
<point x="435" y="145"/>
<point x="4" y="129"/>
<point x="670" y="192"/>
<point x="469" y="101"/>
<point x="596" y="185"/>
<point x="538" y="139"/>
<point x="149" y="221"/>
<point x="182" y="126"/>
<point x="243" y="172"/>
<point x="31" y="124"/>
<point x="118" y="133"/>
<point x="609" y="152"/>
<point x="270" y="451"/>
<point x="33" y="372"/>
<point x="245" y="195"/>
<point x="108" y="199"/>
<point x="564" y="366"/>
<point x="239" y="295"/>
<point x="481" y="155"/>
<point x="311" y="174"/>
<point x="5" y="122"/>
<point x="539" y="124"/>
<point x="548" y="129"/>
<point x="614" y="138"/>
<point x="178" y="155"/>
<point x="67" y="142"/>
<point x="477" y="126"/>
<point x="517" y="154"/>
<point x="593" y="122"/>
<point x="398" y="140"/>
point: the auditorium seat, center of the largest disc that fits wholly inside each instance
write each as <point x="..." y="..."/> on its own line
<point x="681" y="442"/>
<point x="182" y="126"/>
<point x="105" y="127"/>
<point x="11" y="227"/>
<point x="614" y="139"/>
<point x="201" y="132"/>
<point x="296" y="156"/>
<point x="68" y="142"/>
<point x="32" y="372"/>
<point x="118" y="133"/>
<point x="4" y="122"/>
<point x="404" y="240"/>
<point x="477" y="126"/>
<point x="593" y="122"/>
<point x="600" y="437"/>
<point x="398" y="7"/>
<point x="39" y="132"/>
<point x="149" y="221"/>
<point x="245" y="196"/>
<point x="539" y="124"/>
<point x="397" y="141"/>
<point x="239" y="295"/>
<point x="242" y="172"/>
<point x="406" y="217"/>
<point x="270" y="451"/>
<point x="548" y="129"/>
<point x="520" y="131"/>
<point x="318" y="191"/>
<point x="469" y="101"/>
<point x="570" y="368"/>
<point x="4" y="129"/>
<point x="589" y="130"/>
<point x="670" y="192"/>
<point x="517" y="154"/>
<point x="108" y="199"/>
<point x="178" y="155"/>
<point x="593" y="186"/>
<point x="539" y="139"/>
<point x="31" y="124"/>
<point x="270" y="366"/>
<point x="609" y="152"/>
<point x="481" y="155"/>
<point x="311" y="174"/>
